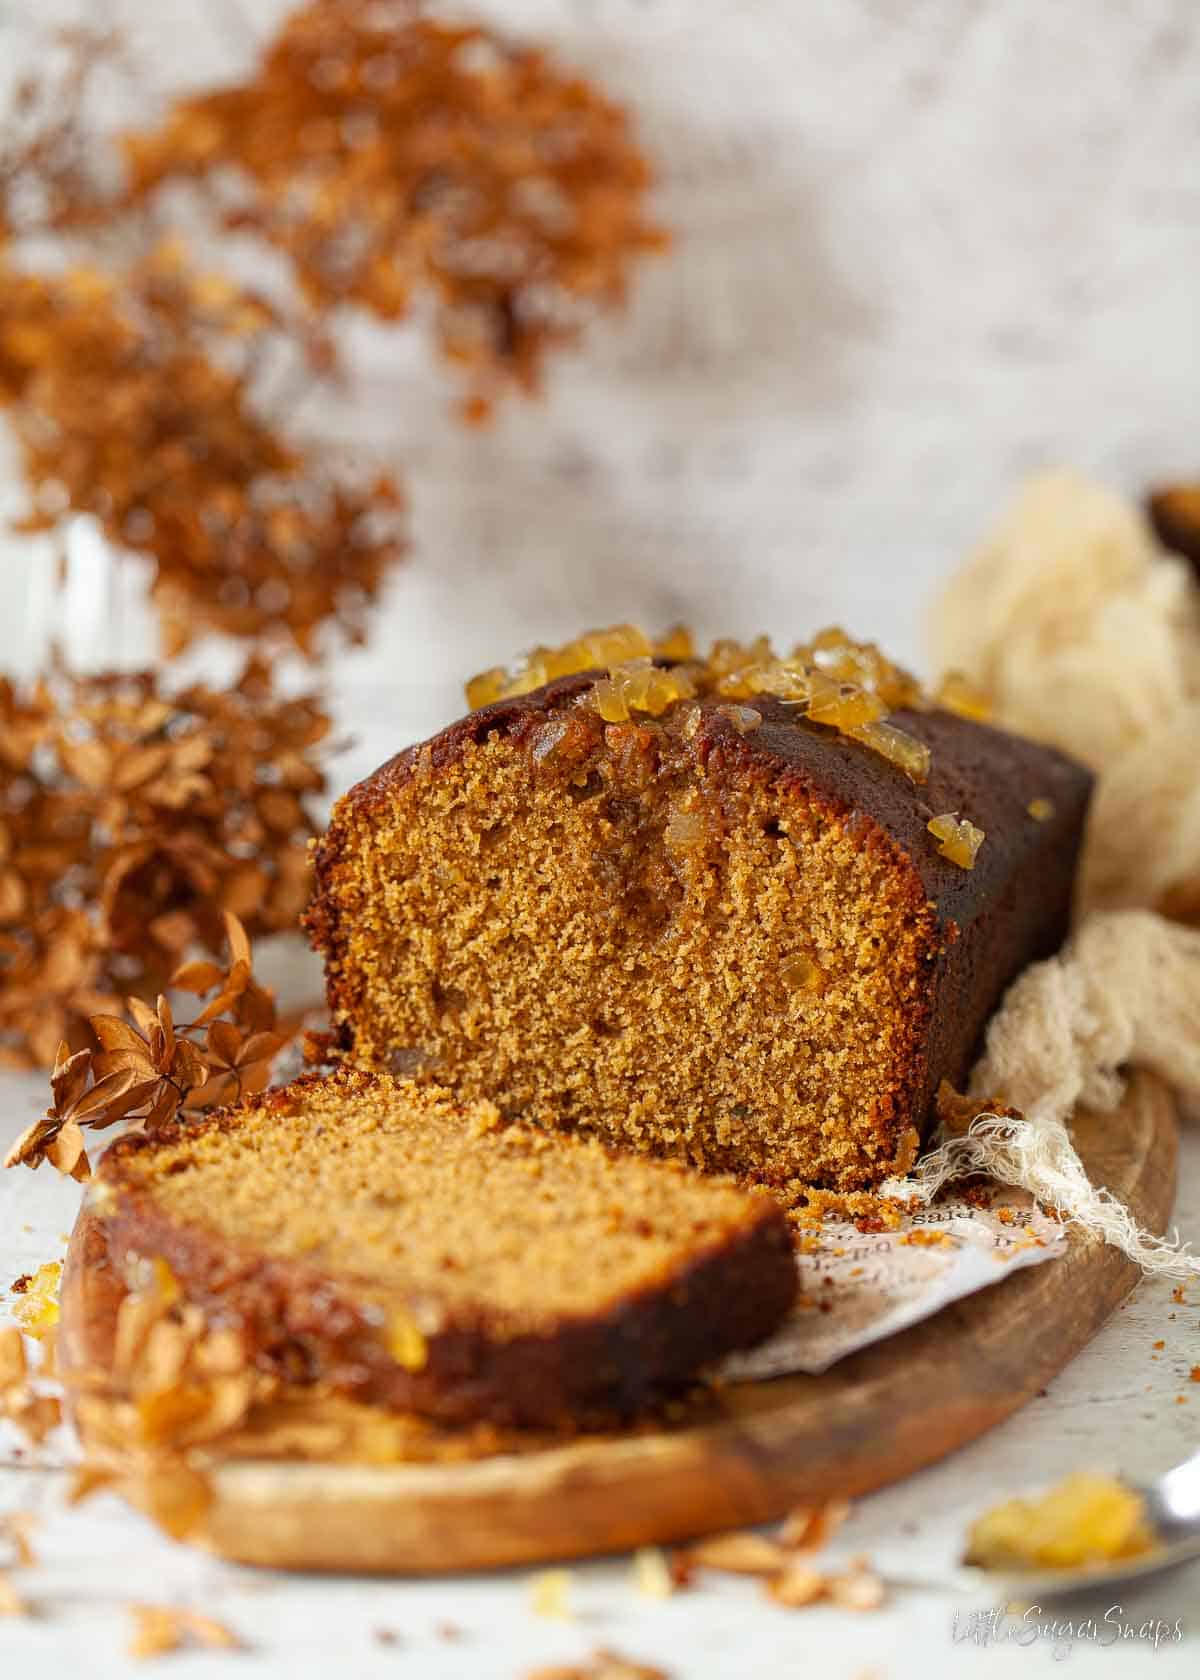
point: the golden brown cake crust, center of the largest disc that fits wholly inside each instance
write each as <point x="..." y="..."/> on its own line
<point x="969" y="932"/>
<point x="726" y="1287"/>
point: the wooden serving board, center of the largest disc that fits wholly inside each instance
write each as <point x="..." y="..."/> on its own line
<point x="876" y="1417"/>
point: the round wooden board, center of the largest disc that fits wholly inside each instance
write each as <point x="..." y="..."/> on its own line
<point x="874" y="1418"/>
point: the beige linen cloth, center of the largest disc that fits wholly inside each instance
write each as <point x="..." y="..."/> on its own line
<point x="1084" y="633"/>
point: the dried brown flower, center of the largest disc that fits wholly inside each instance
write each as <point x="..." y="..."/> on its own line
<point x="132" y="400"/>
<point x="388" y="154"/>
<point x="173" y="1386"/>
<point x="131" y="818"/>
<point x="50" y="167"/>
<point x="149" y="1071"/>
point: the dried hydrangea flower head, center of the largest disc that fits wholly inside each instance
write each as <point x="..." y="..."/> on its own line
<point x="132" y="401"/>
<point x="388" y="154"/>
<point x="52" y="173"/>
<point x="131" y="819"/>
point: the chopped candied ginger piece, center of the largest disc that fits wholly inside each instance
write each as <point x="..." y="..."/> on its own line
<point x="676" y="643"/>
<point x="1041" y="810"/>
<point x="802" y="974"/>
<point x="959" y="694"/>
<point x="843" y="707"/>
<point x="862" y="665"/>
<point x="36" y="1308"/>
<point x="609" y="700"/>
<point x="958" y="839"/>
<point x="619" y="645"/>
<point x="685" y="830"/>
<point x="550" y="1594"/>
<point x="897" y="746"/>
<point x="490" y="685"/>
<point x="640" y="686"/>
<point x="1087" y="1518"/>
<point x="728" y="657"/>
<point x="406" y="1344"/>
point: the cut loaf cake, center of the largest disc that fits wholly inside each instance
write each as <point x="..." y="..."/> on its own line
<point x="747" y="912"/>
<point x="375" y="1236"/>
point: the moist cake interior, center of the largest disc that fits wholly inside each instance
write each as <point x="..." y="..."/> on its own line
<point x="585" y="928"/>
<point x="396" y="1190"/>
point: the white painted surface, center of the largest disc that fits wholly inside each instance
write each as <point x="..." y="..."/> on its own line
<point x="921" y="250"/>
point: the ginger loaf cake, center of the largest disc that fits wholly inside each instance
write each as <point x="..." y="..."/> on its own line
<point x="745" y="910"/>
<point x="425" y="1256"/>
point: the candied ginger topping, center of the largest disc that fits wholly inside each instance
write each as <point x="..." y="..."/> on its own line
<point x="841" y="684"/>
<point x="847" y="686"/>
<point x="959" y="840"/>
<point x="957" y="693"/>
<point x="1087" y="1518"/>
<point x="639" y="685"/>
<point x="594" y="650"/>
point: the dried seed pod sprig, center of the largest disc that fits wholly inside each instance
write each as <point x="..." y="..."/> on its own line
<point x="53" y="175"/>
<point x="133" y="401"/>
<point x="131" y="818"/>
<point x="387" y="154"/>
<point x="148" y="1070"/>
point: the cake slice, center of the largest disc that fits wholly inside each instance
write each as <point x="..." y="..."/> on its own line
<point x="745" y="911"/>
<point x="377" y="1237"/>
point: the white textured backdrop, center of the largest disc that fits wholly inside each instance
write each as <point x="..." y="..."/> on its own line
<point x="923" y="246"/>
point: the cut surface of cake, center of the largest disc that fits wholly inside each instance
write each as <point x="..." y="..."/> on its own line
<point x="745" y="911"/>
<point x="381" y="1239"/>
